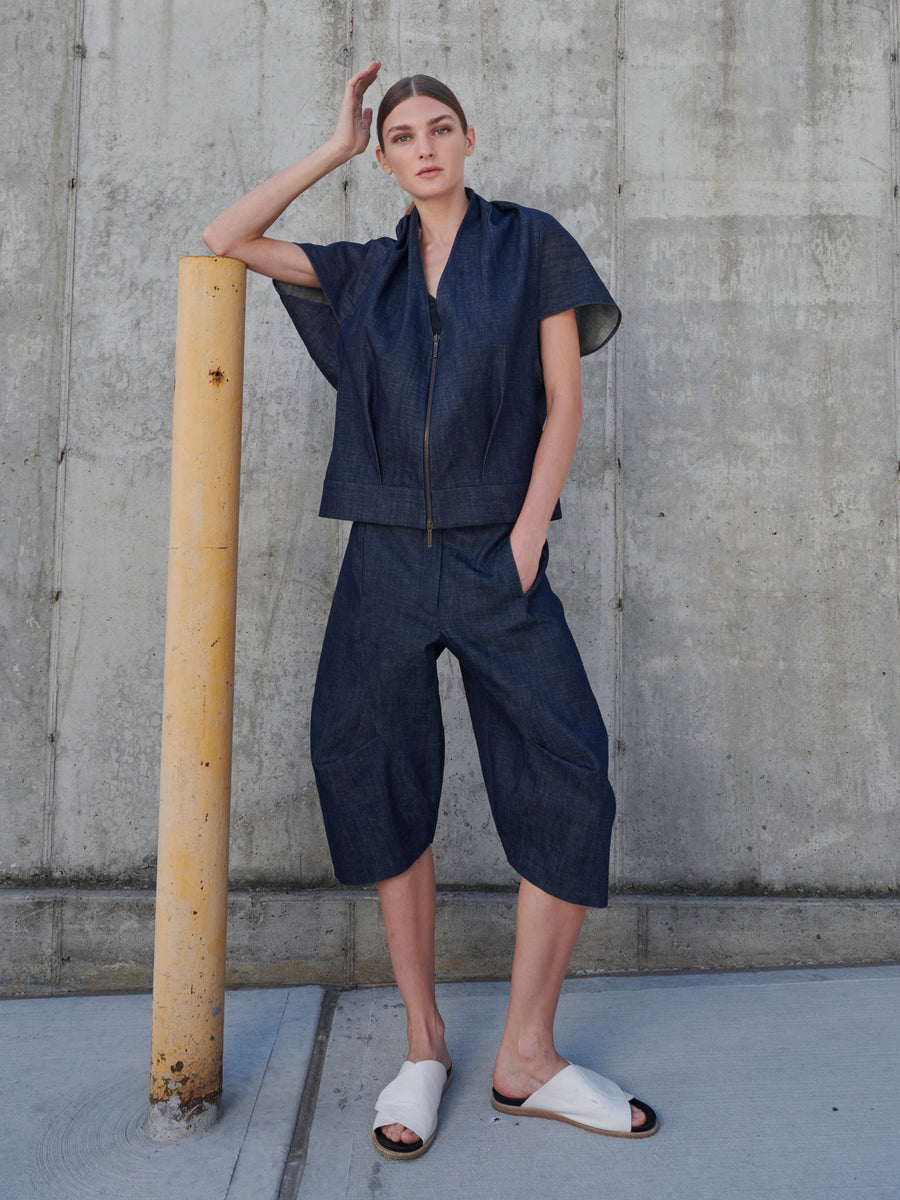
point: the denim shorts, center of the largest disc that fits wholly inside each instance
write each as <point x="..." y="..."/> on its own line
<point x="377" y="736"/>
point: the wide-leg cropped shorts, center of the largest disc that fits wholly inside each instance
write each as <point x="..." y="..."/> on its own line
<point x="377" y="734"/>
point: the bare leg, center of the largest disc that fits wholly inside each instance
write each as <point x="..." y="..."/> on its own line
<point x="408" y="905"/>
<point x="546" y="932"/>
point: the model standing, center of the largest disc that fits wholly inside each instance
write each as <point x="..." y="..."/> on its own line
<point x="455" y="350"/>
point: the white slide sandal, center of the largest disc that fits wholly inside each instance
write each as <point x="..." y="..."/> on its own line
<point x="577" y="1096"/>
<point x="413" y="1100"/>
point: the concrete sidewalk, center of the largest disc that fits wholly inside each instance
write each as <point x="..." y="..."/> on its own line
<point x="777" y="1084"/>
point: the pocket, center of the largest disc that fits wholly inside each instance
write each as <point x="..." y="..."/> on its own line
<point x="511" y="571"/>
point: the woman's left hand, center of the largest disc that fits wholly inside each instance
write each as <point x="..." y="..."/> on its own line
<point x="526" y="551"/>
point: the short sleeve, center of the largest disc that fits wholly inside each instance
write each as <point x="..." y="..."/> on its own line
<point x="338" y="269"/>
<point x="568" y="280"/>
<point x="318" y="312"/>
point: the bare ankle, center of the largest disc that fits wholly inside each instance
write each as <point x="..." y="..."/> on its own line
<point x="528" y="1049"/>
<point x="427" y="1041"/>
<point x="523" y="1067"/>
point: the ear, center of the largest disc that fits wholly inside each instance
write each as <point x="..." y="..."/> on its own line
<point x="470" y="139"/>
<point x="382" y="161"/>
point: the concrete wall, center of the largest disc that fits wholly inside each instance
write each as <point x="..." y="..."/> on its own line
<point x="729" y="554"/>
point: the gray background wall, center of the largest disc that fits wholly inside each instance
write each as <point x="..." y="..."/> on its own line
<point x="729" y="552"/>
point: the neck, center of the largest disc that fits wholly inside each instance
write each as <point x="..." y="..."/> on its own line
<point x="440" y="218"/>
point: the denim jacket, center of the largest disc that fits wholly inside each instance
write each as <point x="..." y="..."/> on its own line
<point x="438" y="418"/>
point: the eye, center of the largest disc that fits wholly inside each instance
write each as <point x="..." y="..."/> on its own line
<point x="400" y="137"/>
<point x="443" y="129"/>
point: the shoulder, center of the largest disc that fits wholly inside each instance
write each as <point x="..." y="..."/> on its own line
<point x="531" y="219"/>
<point x="531" y="227"/>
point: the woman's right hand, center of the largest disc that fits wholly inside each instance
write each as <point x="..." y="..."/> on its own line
<point x="351" y="133"/>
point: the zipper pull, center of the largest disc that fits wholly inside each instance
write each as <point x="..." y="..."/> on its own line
<point x="429" y="527"/>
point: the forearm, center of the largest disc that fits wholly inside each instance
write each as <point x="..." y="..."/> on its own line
<point x="552" y="462"/>
<point x="248" y="218"/>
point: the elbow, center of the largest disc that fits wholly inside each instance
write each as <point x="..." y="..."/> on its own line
<point x="222" y="243"/>
<point x="215" y="242"/>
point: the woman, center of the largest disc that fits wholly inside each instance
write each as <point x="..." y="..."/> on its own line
<point x="455" y="349"/>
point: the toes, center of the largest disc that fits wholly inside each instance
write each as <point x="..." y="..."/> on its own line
<point x="638" y="1118"/>
<point x="399" y="1133"/>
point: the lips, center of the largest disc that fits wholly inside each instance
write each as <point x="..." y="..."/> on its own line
<point x="428" y="171"/>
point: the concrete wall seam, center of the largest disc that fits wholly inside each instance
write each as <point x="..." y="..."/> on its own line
<point x="78" y="53"/>
<point x="894" y="76"/>
<point x="616" y="387"/>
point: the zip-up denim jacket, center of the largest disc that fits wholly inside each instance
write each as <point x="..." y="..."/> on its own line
<point x="437" y="425"/>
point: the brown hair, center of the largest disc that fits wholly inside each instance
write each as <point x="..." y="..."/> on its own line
<point x="417" y="85"/>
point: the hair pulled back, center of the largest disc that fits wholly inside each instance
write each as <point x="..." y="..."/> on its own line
<point x="417" y="85"/>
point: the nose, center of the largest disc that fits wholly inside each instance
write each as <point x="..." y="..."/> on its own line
<point x="424" y="147"/>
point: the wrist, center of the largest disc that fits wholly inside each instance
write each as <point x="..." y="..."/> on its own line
<point x="336" y="153"/>
<point x="528" y="531"/>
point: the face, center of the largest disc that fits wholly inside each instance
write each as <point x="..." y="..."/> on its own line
<point x="425" y="147"/>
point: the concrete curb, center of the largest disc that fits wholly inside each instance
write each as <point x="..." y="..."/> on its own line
<point x="65" y="940"/>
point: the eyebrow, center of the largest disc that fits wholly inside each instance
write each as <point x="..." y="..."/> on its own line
<point x="434" y="121"/>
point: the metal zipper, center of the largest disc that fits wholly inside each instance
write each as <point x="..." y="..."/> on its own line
<point x="429" y="523"/>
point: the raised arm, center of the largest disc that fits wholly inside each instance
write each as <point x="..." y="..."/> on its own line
<point x="239" y="232"/>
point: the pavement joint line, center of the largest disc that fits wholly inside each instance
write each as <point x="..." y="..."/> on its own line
<point x="295" y="1163"/>
<point x="259" y="1088"/>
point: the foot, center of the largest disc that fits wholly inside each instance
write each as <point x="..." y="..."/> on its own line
<point x="519" y="1080"/>
<point x="399" y="1133"/>
<point x="415" y="1096"/>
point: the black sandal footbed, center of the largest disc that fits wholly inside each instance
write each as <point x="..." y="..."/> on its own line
<point x="396" y="1148"/>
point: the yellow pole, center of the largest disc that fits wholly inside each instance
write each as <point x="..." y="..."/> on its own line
<point x="195" y="771"/>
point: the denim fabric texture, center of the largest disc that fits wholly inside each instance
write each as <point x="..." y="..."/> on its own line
<point x="477" y="389"/>
<point x="377" y="733"/>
